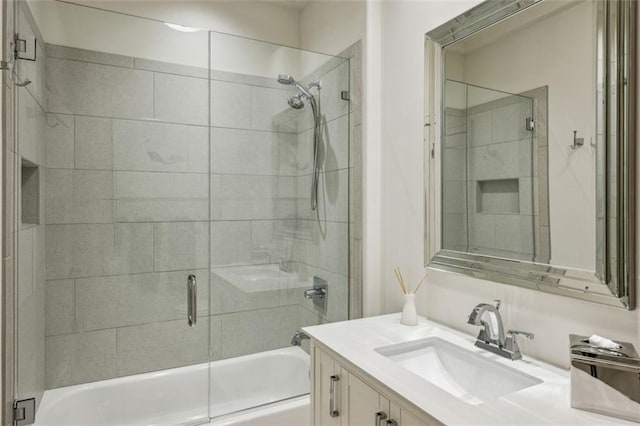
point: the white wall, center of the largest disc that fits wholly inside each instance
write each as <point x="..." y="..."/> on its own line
<point x="448" y="297"/>
<point x="558" y="52"/>
<point x="253" y="19"/>
<point x="330" y="27"/>
<point x="88" y="28"/>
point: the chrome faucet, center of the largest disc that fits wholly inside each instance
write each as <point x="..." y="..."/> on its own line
<point x="495" y="340"/>
<point x="297" y="338"/>
<point x="488" y="334"/>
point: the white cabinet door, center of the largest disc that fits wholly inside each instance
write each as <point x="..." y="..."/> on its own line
<point x="407" y="418"/>
<point x="340" y="398"/>
<point x="365" y="406"/>
<point x="326" y="393"/>
<point x="403" y="417"/>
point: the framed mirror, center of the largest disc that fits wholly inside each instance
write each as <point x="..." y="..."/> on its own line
<point x="530" y="146"/>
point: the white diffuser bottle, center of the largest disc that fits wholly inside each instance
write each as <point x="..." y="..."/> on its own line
<point x="409" y="314"/>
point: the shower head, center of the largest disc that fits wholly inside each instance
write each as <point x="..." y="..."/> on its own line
<point x="286" y="79"/>
<point x="296" y="102"/>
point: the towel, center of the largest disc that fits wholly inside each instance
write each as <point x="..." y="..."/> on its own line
<point x="602" y="342"/>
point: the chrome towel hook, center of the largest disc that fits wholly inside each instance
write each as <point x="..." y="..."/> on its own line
<point x="577" y="142"/>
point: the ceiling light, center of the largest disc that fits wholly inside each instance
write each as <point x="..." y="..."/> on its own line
<point x="182" y="28"/>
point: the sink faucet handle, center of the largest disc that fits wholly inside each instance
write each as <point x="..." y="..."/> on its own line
<point x="525" y="334"/>
<point x="498" y="302"/>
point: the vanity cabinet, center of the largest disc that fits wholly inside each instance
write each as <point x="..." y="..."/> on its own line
<point x="343" y="396"/>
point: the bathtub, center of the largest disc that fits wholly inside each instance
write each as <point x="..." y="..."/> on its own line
<point x="267" y="388"/>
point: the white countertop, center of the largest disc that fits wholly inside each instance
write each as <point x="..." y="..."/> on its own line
<point x="546" y="403"/>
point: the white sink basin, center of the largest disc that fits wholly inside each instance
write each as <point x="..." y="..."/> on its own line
<point x="466" y="375"/>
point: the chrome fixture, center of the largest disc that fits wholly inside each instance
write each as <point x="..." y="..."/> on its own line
<point x="319" y="293"/>
<point x="298" y="337"/>
<point x="492" y="336"/>
<point x="333" y="411"/>
<point x="24" y="411"/>
<point x="529" y="124"/>
<point x="192" y="300"/>
<point x="614" y="373"/>
<point x="297" y="102"/>
<point x="577" y="142"/>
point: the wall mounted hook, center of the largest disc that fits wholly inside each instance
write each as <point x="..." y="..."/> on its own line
<point x="577" y="142"/>
<point x="23" y="83"/>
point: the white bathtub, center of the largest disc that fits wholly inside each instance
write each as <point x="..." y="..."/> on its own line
<point x="267" y="388"/>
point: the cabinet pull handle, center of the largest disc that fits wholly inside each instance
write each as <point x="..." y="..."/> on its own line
<point x="392" y="423"/>
<point x="332" y="396"/>
<point x="380" y="416"/>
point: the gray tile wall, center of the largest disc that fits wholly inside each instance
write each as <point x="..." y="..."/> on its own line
<point x="454" y="181"/>
<point x="260" y="206"/>
<point x="322" y="238"/>
<point x="31" y="233"/>
<point x="127" y="215"/>
<point x="133" y="208"/>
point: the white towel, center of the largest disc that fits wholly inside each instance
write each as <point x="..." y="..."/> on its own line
<point x="602" y="342"/>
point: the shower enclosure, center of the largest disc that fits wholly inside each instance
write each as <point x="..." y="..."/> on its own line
<point x="174" y="209"/>
<point x="495" y="201"/>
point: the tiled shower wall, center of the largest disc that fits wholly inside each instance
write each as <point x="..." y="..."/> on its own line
<point x="321" y="246"/>
<point x="128" y="213"/>
<point x="491" y="158"/>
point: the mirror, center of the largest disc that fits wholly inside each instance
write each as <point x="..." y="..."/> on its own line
<point x="529" y="175"/>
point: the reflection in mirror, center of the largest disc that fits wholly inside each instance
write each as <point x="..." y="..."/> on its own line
<point x="489" y="182"/>
<point x="520" y="201"/>
<point x="534" y="156"/>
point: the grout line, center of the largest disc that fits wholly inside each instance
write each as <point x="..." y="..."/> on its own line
<point x="75" y="143"/>
<point x="266" y="85"/>
<point x="153" y="95"/>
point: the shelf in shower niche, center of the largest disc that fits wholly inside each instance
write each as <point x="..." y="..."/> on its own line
<point x="498" y="196"/>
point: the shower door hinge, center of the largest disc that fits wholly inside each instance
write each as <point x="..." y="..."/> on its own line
<point x="529" y="124"/>
<point x="20" y="48"/>
<point x="24" y="411"/>
<point x="345" y="96"/>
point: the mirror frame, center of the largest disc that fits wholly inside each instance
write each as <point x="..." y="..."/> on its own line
<point x="618" y="284"/>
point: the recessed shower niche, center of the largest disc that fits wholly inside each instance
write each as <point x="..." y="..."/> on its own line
<point x="498" y="196"/>
<point x="30" y="193"/>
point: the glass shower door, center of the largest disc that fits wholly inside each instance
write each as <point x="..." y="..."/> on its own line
<point x="490" y="177"/>
<point x="269" y="245"/>
<point x="500" y="174"/>
<point x="121" y="148"/>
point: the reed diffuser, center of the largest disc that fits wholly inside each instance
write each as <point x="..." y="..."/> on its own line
<point x="409" y="314"/>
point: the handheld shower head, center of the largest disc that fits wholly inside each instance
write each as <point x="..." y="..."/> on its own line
<point x="286" y="79"/>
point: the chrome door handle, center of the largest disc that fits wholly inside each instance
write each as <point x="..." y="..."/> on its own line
<point x="392" y="423"/>
<point x="192" y="300"/>
<point x="380" y="416"/>
<point x="332" y="396"/>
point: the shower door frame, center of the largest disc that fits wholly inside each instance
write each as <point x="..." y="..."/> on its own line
<point x="9" y="225"/>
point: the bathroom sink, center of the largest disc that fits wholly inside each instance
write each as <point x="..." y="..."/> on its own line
<point x="466" y="375"/>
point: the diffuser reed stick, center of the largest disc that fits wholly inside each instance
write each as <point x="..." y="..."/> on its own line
<point x="396" y="271"/>
<point x="406" y="289"/>
<point x="420" y="283"/>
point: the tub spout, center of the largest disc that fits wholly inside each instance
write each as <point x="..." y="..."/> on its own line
<point x="296" y="340"/>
